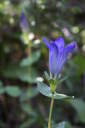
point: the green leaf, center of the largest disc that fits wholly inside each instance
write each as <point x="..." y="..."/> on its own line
<point x="61" y="125"/>
<point x="45" y="90"/>
<point x="13" y="91"/>
<point x="28" y="109"/>
<point x="26" y="74"/>
<point x="64" y="125"/>
<point x="28" y="94"/>
<point x="60" y="96"/>
<point x="31" y="59"/>
<point x="79" y="106"/>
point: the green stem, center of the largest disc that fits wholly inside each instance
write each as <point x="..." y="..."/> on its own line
<point x="50" y="113"/>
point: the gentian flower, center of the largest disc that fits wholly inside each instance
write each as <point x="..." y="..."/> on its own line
<point x="58" y="54"/>
<point x="23" y="22"/>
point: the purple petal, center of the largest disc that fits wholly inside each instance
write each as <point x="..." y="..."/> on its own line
<point x="62" y="56"/>
<point x="60" y="43"/>
<point x="70" y="48"/>
<point x="53" y="53"/>
<point x="61" y="59"/>
<point x="45" y="41"/>
<point x="23" y="22"/>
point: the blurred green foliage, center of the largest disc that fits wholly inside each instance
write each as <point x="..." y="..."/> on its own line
<point x="23" y="59"/>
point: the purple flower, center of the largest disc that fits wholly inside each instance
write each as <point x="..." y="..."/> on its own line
<point x="23" y="22"/>
<point x="58" y="54"/>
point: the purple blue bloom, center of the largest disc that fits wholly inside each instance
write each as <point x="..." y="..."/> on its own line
<point x="58" y="54"/>
<point x="23" y="22"/>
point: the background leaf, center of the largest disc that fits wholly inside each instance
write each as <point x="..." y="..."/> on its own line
<point x="26" y="74"/>
<point x="13" y="91"/>
<point x="79" y="106"/>
<point x="34" y="57"/>
<point x="29" y="93"/>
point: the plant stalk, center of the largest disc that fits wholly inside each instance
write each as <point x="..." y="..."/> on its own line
<point x="50" y="113"/>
